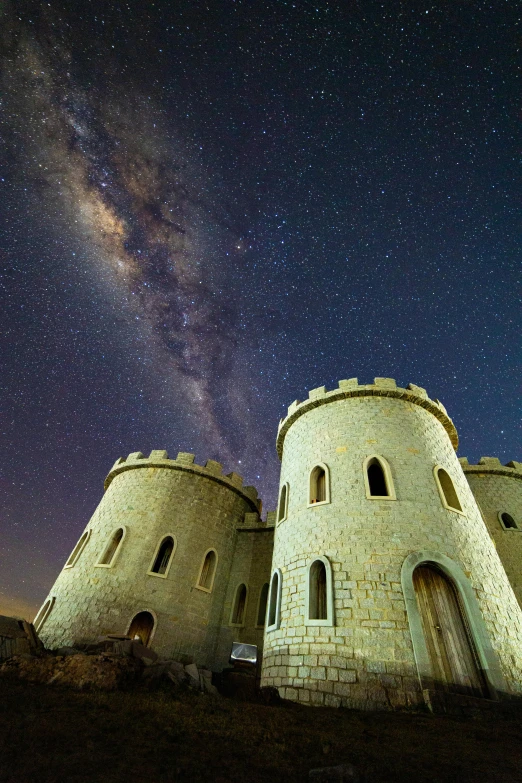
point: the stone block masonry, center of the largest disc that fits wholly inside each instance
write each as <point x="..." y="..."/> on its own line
<point x="364" y="656"/>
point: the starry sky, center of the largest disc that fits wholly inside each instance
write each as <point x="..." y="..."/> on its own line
<point x="208" y="208"/>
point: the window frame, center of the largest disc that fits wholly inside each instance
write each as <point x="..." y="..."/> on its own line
<point x="277" y="620"/>
<point x="441" y="491"/>
<point x="388" y="478"/>
<point x="259" y="625"/>
<point x="330" y="617"/>
<point x="283" y="518"/>
<point x="78" y="549"/>
<point x="515" y="529"/>
<point x="116" y="551"/>
<point x="150" y="572"/>
<point x="45" y="610"/>
<point x="231" y="622"/>
<point x="327" y="499"/>
<point x="199" y="586"/>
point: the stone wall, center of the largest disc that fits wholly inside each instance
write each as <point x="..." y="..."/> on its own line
<point x="365" y="658"/>
<point x="152" y="498"/>
<point x="497" y="489"/>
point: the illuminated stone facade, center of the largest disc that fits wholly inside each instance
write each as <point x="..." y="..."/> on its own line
<point x="370" y="489"/>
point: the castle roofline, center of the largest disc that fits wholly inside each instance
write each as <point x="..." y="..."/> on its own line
<point x="382" y="387"/>
<point x="184" y="461"/>
<point x="492" y="465"/>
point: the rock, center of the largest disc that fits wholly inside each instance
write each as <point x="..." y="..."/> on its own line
<point x="79" y="671"/>
<point x="205" y="679"/>
<point x="343" y="773"/>
<point x="156" y="670"/>
<point x="193" y="674"/>
<point x="63" y="651"/>
<point x="144" y="654"/>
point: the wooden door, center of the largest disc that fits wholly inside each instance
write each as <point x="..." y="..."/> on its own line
<point x="141" y="627"/>
<point x="452" y="653"/>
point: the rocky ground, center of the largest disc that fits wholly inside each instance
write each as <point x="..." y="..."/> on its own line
<point x="117" y="716"/>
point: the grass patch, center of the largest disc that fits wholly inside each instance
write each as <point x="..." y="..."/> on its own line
<point x="52" y="735"/>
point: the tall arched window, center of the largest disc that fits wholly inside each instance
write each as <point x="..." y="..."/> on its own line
<point x="262" y="604"/>
<point x="447" y="491"/>
<point x="75" y="554"/>
<point x="319" y="593"/>
<point x="378" y="478"/>
<point x="283" y="503"/>
<point x="237" y="616"/>
<point x="207" y="571"/>
<point x="319" y="485"/>
<point x="141" y="627"/>
<point x="274" y="602"/>
<point x="163" y="557"/>
<point x="111" y="550"/>
<point x="44" y="613"/>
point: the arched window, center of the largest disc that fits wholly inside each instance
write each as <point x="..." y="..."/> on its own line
<point x="283" y="503"/>
<point x="237" y="616"/>
<point x="44" y="613"/>
<point x="75" y="554"/>
<point x="319" y="491"/>
<point x="262" y="604"/>
<point x="447" y="491"/>
<point x="207" y="571"/>
<point x="163" y="557"/>
<point x="378" y="478"/>
<point x="141" y="627"/>
<point x="111" y="550"/>
<point x="319" y="595"/>
<point x="507" y="521"/>
<point x="274" y="602"/>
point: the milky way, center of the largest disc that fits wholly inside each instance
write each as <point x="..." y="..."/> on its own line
<point x="124" y="179"/>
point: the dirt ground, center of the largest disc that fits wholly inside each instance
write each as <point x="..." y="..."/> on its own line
<point x="52" y="735"/>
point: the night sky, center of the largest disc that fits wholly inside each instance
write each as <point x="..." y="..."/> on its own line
<point x="207" y="209"/>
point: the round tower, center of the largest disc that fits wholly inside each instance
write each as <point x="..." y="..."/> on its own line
<point x="154" y="560"/>
<point x="498" y="491"/>
<point x="385" y="582"/>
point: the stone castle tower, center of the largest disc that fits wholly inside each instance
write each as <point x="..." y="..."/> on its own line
<point x="390" y="568"/>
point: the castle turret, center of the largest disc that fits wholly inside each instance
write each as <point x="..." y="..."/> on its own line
<point x="498" y="491"/>
<point x="155" y="562"/>
<point x="385" y="581"/>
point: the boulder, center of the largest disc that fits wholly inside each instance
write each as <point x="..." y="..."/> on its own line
<point x="79" y="671"/>
<point x="193" y="674"/>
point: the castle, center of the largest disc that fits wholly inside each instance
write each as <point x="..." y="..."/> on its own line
<point x="390" y="569"/>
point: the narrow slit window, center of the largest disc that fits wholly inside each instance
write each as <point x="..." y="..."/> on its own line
<point x="283" y="500"/>
<point x="377" y="479"/>
<point x="317" y="591"/>
<point x="448" y="490"/>
<point x="43" y="614"/>
<point x="112" y="548"/>
<point x="274" y="601"/>
<point x="318" y="485"/>
<point x="508" y="521"/>
<point x="208" y="569"/>
<point x="238" y="612"/>
<point x="75" y="554"/>
<point x="163" y="557"/>
<point x="263" y="600"/>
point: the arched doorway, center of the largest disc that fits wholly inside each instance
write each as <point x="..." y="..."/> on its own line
<point x="141" y="626"/>
<point x="449" y="642"/>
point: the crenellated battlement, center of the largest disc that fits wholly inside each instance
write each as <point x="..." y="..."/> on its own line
<point x="184" y="461"/>
<point x="488" y="465"/>
<point x="381" y="387"/>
